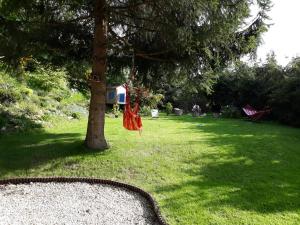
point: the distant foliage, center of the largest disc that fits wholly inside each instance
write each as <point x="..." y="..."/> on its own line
<point x="285" y="99"/>
<point x="77" y="74"/>
<point x="261" y="86"/>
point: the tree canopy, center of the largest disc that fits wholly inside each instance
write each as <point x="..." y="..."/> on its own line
<point x="197" y="34"/>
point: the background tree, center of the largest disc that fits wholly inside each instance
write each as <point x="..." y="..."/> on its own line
<point x="285" y="97"/>
<point x="187" y="38"/>
<point x="260" y="85"/>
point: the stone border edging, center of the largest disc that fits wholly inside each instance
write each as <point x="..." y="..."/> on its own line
<point x="145" y="194"/>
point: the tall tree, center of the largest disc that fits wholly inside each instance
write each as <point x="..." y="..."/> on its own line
<point x="190" y="36"/>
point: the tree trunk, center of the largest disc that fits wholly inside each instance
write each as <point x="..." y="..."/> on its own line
<point x="95" y="138"/>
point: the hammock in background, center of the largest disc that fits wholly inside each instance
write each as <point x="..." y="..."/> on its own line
<point x="255" y="114"/>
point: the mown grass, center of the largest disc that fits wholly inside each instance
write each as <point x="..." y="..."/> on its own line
<point x="200" y="170"/>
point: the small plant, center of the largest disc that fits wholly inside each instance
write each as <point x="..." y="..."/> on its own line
<point x="26" y="92"/>
<point x="155" y="100"/>
<point x="116" y="110"/>
<point x="145" y="111"/>
<point x="169" y="108"/>
<point x="47" y="79"/>
<point x="9" y="95"/>
<point x="231" y="112"/>
<point x="76" y="115"/>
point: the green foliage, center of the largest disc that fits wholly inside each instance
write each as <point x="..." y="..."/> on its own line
<point x="76" y="115"/>
<point x="30" y="102"/>
<point x="8" y="91"/>
<point x="47" y="79"/>
<point x="267" y="85"/>
<point x="204" y="36"/>
<point x="18" y="118"/>
<point x="26" y="92"/>
<point x="231" y="112"/>
<point x="75" y="97"/>
<point x="28" y="109"/>
<point x="116" y="110"/>
<point x="286" y="97"/>
<point x="77" y="74"/>
<point x="145" y="110"/>
<point x="169" y="108"/>
<point x="154" y="100"/>
<point x="9" y="96"/>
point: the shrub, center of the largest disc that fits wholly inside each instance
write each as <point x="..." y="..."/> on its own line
<point x="76" y="115"/>
<point x="285" y="102"/>
<point x="26" y="91"/>
<point x="10" y="122"/>
<point x="43" y="93"/>
<point x="3" y="119"/>
<point x="169" y="108"/>
<point x="47" y="79"/>
<point x="145" y="110"/>
<point x="231" y="112"/>
<point x="10" y="95"/>
<point x="116" y="110"/>
<point x="153" y="100"/>
<point x="75" y="97"/>
<point x="77" y="74"/>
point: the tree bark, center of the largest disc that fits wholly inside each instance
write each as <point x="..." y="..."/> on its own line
<point x="95" y="138"/>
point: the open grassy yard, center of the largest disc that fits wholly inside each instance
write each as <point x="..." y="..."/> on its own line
<point x="200" y="170"/>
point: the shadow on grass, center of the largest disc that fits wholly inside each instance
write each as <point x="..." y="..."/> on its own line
<point x="29" y="150"/>
<point x="254" y="167"/>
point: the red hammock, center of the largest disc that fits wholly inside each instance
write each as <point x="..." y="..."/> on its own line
<point x="131" y="118"/>
<point x="255" y="114"/>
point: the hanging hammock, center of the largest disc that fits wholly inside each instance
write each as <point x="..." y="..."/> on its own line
<point x="255" y="114"/>
<point x="131" y="117"/>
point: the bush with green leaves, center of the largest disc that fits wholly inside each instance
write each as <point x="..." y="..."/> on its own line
<point x="47" y="79"/>
<point x="76" y="115"/>
<point x="43" y="92"/>
<point x="286" y="98"/>
<point x="145" y="110"/>
<point x="169" y="108"/>
<point x="9" y="96"/>
<point x="230" y="111"/>
<point x="16" y="120"/>
<point x="77" y="74"/>
<point x="8" y="89"/>
<point x="153" y="100"/>
<point x="116" y="110"/>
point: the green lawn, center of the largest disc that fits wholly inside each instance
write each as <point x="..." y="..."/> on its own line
<point x="201" y="171"/>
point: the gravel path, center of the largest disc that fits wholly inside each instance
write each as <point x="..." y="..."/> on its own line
<point x="72" y="203"/>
